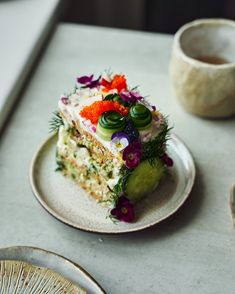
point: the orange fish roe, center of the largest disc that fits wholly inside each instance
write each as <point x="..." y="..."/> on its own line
<point x="118" y="82"/>
<point x="93" y="111"/>
<point x="121" y="109"/>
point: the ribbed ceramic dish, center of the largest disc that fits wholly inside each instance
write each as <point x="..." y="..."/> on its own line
<point x="62" y="198"/>
<point x="21" y="277"/>
<point x="28" y="270"/>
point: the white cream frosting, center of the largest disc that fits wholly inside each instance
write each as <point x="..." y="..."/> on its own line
<point x="85" y="97"/>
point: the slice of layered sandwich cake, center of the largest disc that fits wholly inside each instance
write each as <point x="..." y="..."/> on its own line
<point x="112" y="142"/>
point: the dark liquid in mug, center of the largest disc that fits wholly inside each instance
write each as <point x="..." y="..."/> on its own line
<point x="212" y="59"/>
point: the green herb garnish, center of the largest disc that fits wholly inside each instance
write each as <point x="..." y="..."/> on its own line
<point x="56" y="122"/>
<point x="60" y="165"/>
<point x="154" y="149"/>
<point x="119" y="188"/>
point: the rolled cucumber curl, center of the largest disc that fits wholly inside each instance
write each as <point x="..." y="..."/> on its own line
<point x="141" y="116"/>
<point x="110" y="122"/>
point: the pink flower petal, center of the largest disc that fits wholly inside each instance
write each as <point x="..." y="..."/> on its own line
<point x="65" y="100"/>
<point x="85" y="79"/>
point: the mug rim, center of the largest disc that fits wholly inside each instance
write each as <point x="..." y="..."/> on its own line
<point x="197" y="23"/>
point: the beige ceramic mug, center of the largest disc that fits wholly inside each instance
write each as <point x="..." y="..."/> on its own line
<point x="202" y="67"/>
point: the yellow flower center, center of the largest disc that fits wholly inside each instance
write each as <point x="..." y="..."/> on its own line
<point x="124" y="210"/>
<point x="118" y="145"/>
<point x="131" y="156"/>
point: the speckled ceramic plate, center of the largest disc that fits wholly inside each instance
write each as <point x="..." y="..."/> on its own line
<point x="62" y="198"/>
<point x="33" y="270"/>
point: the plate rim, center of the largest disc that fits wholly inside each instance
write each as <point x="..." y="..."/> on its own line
<point x="65" y="259"/>
<point x="100" y="231"/>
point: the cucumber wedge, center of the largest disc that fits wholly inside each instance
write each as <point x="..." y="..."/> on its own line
<point x="143" y="180"/>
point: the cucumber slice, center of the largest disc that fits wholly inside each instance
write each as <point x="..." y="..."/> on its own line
<point x="109" y="122"/>
<point x="143" y="180"/>
<point x="141" y="116"/>
<point x="105" y="134"/>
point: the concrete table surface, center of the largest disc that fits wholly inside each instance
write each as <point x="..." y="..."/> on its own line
<point x="192" y="251"/>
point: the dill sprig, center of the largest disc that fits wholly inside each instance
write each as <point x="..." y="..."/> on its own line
<point x="135" y="88"/>
<point x="119" y="188"/>
<point x="56" y="122"/>
<point x="108" y="72"/>
<point x="60" y="166"/>
<point x="154" y="149"/>
<point x="72" y="92"/>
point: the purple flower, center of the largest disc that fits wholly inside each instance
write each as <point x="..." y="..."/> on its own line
<point x="167" y="160"/>
<point x="124" y="210"/>
<point x="88" y="82"/>
<point x="131" y="155"/>
<point x="155" y="117"/>
<point x="93" y="129"/>
<point x="65" y="100"/>
<point x="85" y="79"/>
<point x="154" y="108"/>
<point x="119" y="141"/>
<point x="130" y="96"/>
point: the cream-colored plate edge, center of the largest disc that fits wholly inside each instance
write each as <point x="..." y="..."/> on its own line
<point x="128" y="230"/>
